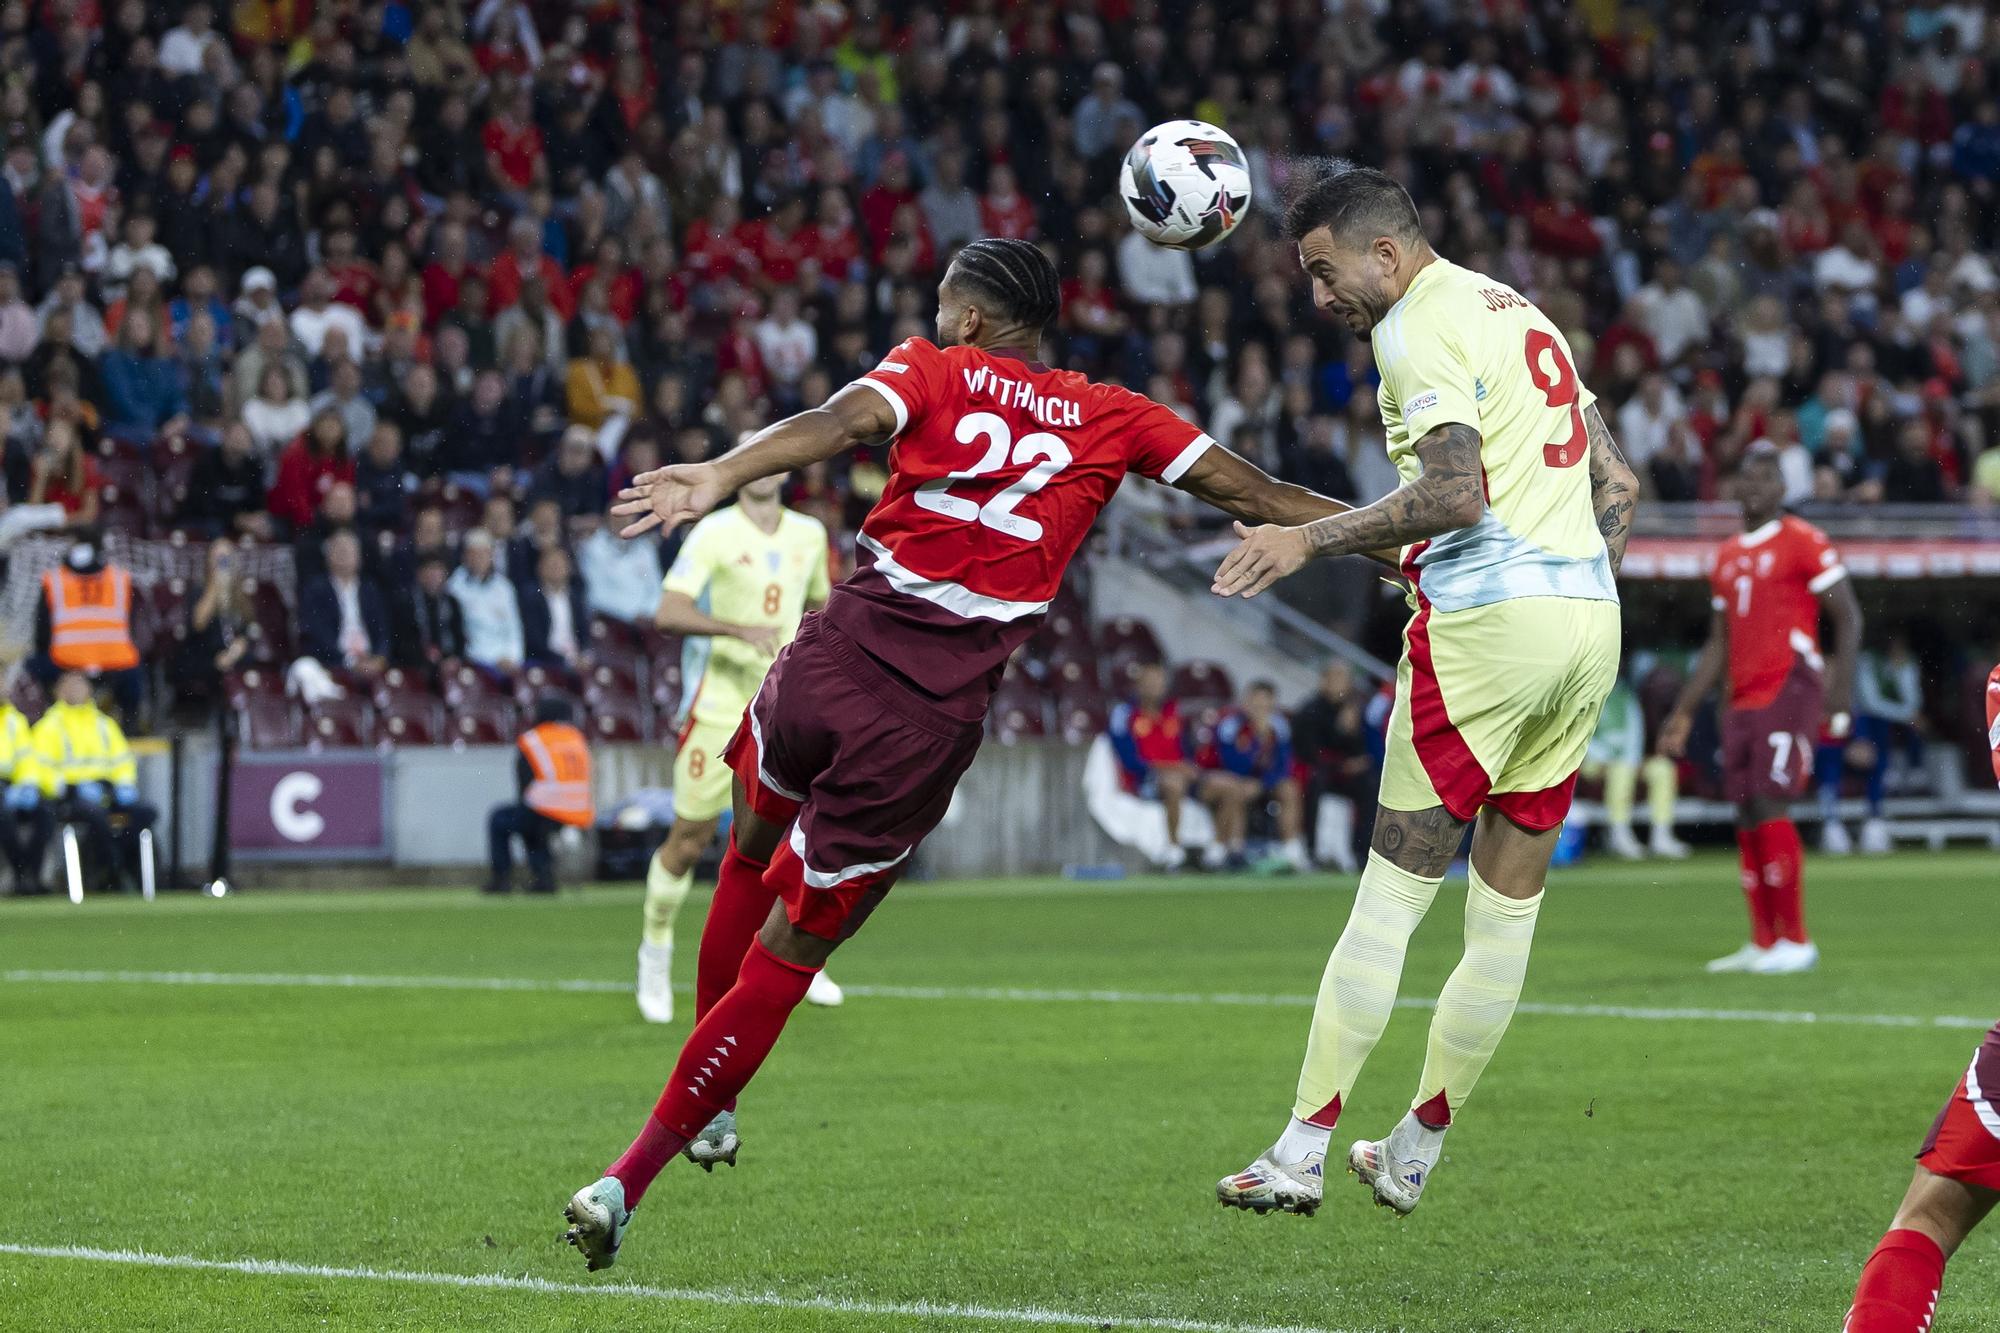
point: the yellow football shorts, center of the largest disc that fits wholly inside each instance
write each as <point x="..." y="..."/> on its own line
<point x="1496" y="705"/>
<point x="702" y="778"/>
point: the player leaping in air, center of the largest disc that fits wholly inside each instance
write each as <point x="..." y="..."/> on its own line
<point x="1768" y="587"/>
<point x="848" y="755"/>
<point x="743" y="579"/>
<point x="1513" y="513"/>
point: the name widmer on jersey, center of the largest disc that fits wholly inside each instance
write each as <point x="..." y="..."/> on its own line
<point x="1050" y="411"/>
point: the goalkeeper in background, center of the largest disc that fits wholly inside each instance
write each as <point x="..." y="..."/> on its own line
<point x="745" y="577"/>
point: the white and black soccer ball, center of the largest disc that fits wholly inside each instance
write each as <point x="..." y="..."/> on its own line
<point x="1185" y="184"/>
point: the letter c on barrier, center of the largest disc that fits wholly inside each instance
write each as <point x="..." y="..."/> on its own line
<point x="291" y="807"/>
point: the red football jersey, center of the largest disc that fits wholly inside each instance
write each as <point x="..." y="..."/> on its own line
<point x="1768" y="582"/>
<point x="1993" y="721"/>
<point x="999" y="468"/>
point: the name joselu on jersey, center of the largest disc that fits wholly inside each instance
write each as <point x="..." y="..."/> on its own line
<point x="1050" y="411"/>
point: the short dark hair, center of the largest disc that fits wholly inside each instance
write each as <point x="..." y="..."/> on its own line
<point x="1013" y="276"/>
<point x="1349" y="200"/>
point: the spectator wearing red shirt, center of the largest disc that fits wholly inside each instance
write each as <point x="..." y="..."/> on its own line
<point x="624" y="286"/>
<point x="514" y="159"/>
<point x="524" y="256"/>
<point x="355" y="280"/>
<point x="832" y="239"/>
<point x="778" y="244"/>
<point x="1560" y="225"/>
<point x="1004" y="210"/>
<point x="889" y="193"/>
<point x="444" y="273"/>
<point x="1154" y="749"/>
<point x="308" y="468"/>
<point x="712" y="247"/>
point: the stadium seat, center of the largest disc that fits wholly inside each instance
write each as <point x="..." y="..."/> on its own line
<point x="123" y="507"/>
<point x="620" y="718"/>
<point x="267" y="722"/>
<point x="607" y="629"/>
<point x="1202" y="680"/>
<point x="252" y="683"/>
<point x="1018" y="712"/>
<point x="270" y="628"/>
<point x="620" y="669"/>
<point x="462" y="510"/>
<point x="470" y="684"/>
<point x="1074" y="662"/>
<point x="343" y="723"/>
<point x="1128" y="636"/>
<point x="411" y="719"/>
<point x="1081" y="714"/>
<point x="484" y="720"/>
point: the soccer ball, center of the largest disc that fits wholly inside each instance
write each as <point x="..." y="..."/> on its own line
<point x="1185" y="184"/>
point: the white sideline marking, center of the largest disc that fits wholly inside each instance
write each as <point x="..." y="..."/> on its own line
<point x="1027" y="1314"/>
<point x="1000" y="994"/>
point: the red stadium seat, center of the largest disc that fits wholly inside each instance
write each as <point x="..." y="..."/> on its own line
<point x="411" y="719"/>
<point x="484" y="720"/>
<point x="462" y="510"/>
<point x="343" y="723"/>
<point x="1202" y="680"/>
<point x="608" y="629"/>
<point x="615" y="717"/>
<point x="470" y="684"/>
<point x="1124" y="636"/>
<point x="1018" y="712"/>
<point x="268" y="723"/>
<point x="1081" y="715"/>
<point x="270" y="628"/>
<point x="624" y="673"/>
<point x="123" y="508"/>
<point x="1074" y="662"/>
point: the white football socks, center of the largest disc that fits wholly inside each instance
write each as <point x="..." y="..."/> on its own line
<point x="664" y="895"/>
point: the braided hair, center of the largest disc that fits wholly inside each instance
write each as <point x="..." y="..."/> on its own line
<point x="1013" y="277"/>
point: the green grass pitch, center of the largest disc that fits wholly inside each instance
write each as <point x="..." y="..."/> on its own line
<point x="977" y="1133"/>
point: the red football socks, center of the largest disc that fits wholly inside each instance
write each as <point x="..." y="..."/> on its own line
<point x="1899" y="1286"/>
<point x="1784" y="877"/>
<point x="735" y="915"/>
<point x="1756" y="893"/>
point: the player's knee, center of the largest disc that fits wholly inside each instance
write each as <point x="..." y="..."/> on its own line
<point x="789" y="944"/>
<point x="1944" y="1209"/>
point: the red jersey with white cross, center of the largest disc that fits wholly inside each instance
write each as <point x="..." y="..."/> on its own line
<point x="999" y="468"/>
<point x="1767" y="582"/>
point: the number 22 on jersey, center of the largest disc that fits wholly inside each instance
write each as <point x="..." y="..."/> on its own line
<point x="1046" y="451"/>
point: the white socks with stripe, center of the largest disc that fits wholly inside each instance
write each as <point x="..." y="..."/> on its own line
<point x="1358" y="991"/>
<point x="1478" y="1001"/>
<point x="664" y="895"/>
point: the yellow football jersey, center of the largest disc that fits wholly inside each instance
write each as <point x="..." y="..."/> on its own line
<point x="737" y="572"/>
<point x="1463" y="347"/>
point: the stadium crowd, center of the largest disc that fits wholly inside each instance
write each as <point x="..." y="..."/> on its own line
<point x="440" y="275"/>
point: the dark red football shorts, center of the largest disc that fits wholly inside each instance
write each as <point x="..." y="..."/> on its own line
<point x="861" y="766"/>
<point x="1964" y="1142"/>
<point x="1767" y="752"/>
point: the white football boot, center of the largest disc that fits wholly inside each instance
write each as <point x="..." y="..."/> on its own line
<point x="1744" y="959"/>
<point x="1665" y="844"/>
<point x="1622" y="843"/>
<point x="1875" y="839"/>
<point x="598" y="1217"/>
<point x="825" y="992"/>
<point x="1833" y="839"/>
<point x="717" y="1143"/>
<point x="1786" y="957"/>
<point x="1268" y="1185"/>
<point x="656" y="982"/>
<point x="1396" y="1169"/>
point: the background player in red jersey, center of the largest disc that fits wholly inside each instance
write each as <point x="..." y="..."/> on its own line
<point x="848" y="755"/>
<point x="1768" y="587"/>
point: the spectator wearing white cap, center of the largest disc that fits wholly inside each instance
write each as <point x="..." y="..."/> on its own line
<point x="258" y="303"/>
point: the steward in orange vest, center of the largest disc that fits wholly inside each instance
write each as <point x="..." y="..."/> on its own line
<point x="552" y="771"/>
<point x="84" y="623"/>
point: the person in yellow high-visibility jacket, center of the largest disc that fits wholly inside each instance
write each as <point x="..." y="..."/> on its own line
<point x="18" y="769"/>
<point x="84" y="769"/>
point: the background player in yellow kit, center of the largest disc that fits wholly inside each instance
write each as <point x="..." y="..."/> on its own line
<point x="1513" y="515"/>
<point x="743" y="580"/>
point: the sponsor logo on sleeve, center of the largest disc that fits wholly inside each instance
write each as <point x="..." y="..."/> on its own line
<point x="1423" y="402"/>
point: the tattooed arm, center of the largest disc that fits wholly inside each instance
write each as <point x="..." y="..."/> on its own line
<point x="1447" y="496"/>
<point x="1614" y="489"/>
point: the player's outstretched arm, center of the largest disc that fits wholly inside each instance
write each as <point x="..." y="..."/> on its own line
<point x="1241" y="489"/>
<point x="1614" y="487"/>
<point x="1447" y="496"/>
<point x="670" y="496"/>
<point x="1843" y="609"/>
<point x="678" y="614"/>
<point x="1705" y="676"/>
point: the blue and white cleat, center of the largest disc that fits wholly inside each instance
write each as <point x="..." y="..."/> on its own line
<point x="1268" y="1185"/>
<point x="717" y="1143"/>
<point x="1397" y="1168"/>
<point x="598" y="1217"/>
